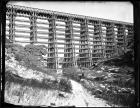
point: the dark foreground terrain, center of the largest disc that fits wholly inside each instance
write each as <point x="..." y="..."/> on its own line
<point x="112" y="80"/>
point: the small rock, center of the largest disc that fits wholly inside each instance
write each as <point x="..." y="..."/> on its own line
<point x="98" y="91"/>
<point x="61" y="95"/>
<point x="101" y="85"/>
<point x="102" y="68"/>
<point x="99" y="71"/>
<point x="53" y="104"/>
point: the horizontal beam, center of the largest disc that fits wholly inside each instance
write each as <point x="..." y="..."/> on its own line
<point x="67" y="15"/>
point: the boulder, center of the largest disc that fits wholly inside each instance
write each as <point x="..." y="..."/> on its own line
<point x="52" y="104"/>
<point x="61" y="95"/>
<point x="90" y="77"/>
<point x="97" y="92"/>
<point x="99" y="78"/>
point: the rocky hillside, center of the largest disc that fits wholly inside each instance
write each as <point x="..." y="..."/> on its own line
<point x="112" y="80"/>
<point x="29" y="85"/>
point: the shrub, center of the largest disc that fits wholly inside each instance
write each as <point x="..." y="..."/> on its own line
<point x="36" y="50"/>
<point x="65" y="85"/>
<point x="13" y="48"/>
<point x="125" y="59"/>
<point x="21" y="55"/>
<point x="99" y="78"/>
<point x="29" y="56"/>
<point x="7" y="41"/>
<point x="34" y="55"/>
<point x="73" y="73"/>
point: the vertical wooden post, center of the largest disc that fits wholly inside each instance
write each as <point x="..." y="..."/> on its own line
<point x="115" y="40"/>
<point x="120" y="39"/>
<point x="55" y="46"/>
<point x="12" y="15"/>
<point x="33" y="28"/>
<point x="85" y="57"/>
<point x="114" y="37"/>
<point x="69" y="51"/>
<point x="124" y="37"/>
<point x="52" y="47"/>
<point x="110" y="38"/>
<point x="130" y="36"/>
<point x="88" y="45"/>
<point x="81" y="46"/>
<point x="96" y="39"/>
<point x="73" y="45"/>
<point x="102" y="41"/>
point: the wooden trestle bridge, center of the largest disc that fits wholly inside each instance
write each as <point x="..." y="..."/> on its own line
<point x="70" y="35"/>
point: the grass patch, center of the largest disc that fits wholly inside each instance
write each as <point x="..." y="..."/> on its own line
<point x="72" y="73"/>
<point x="63" y="85"/>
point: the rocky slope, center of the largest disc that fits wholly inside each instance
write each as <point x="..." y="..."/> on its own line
<point x="24" y="86"/>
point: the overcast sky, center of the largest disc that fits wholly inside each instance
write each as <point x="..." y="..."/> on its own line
<point x="121" y="11"/>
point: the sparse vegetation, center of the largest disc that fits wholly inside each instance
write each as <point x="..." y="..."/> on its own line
<point x="72" y="73"/>
<point x="113" y="80"/>
<point x="30" y="57"/>
<point x="63" y="85"/>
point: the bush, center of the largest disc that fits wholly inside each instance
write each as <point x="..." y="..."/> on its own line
<point x="72" y="73"/>
<point x="29" y="56"/>
<point x="126" y="59"/>
<point x="7" y="41"/>
<point x="34" y="55"/>
<point x="13" y="48"/>
<point x="99" y="78"/>
<point x="65" y="85"/>
<point x="36" y="50"/>
<point x="21" y="55"/>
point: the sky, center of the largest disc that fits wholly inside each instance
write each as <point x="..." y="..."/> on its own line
<point x="121" y="11"/>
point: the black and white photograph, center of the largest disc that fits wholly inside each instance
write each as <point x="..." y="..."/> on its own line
<point x="69" y="54"/>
